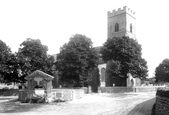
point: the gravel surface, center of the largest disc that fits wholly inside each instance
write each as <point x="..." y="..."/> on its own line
<point x="90" y="104"/>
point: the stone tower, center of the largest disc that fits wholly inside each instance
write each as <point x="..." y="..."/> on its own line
<point x="122" y="23"/>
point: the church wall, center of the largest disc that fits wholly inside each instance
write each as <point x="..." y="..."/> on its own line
<point x="131" y="20"/>
<point x="102" y="74"/>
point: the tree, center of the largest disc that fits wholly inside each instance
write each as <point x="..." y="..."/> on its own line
<point x="162" y="71"/>
<point x="124" y="56"/>
<point x="95" y="80"/>
<point x="76" y="60"/>
<point x="5" y="53"/>
<point x="33" y="56"/>
<point x="12" y="73"/>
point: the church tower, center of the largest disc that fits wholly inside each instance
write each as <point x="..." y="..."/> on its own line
<point x="122" y="23"/>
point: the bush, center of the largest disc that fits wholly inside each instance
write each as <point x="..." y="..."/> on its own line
<point x="9" y="92"/>
<point x="5" y="87"/>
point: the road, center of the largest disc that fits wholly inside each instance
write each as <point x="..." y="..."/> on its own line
<point x="90" y="104"/>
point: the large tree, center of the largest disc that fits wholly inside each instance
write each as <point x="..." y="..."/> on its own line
<point x="162" y="71"/>
<point x="5" y="53"/>
<point x="76" y="60"/>
<point x="33" y="56"/>
<point x="123" y="55"/>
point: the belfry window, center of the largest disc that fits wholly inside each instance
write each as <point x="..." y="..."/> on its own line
<point x="116" y="27"/>
<point x="131" y="28"/>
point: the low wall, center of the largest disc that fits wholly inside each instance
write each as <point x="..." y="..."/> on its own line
<point x="147" y="88"/>
<point x="116" y="89"/>
<point x="128" y="89"/>
<point x="67" y="94"/>
<point x="24" y="94"/>
<point x="85" y="89"/>
<point x="162" y="102"/>
<point x="62" y="94"/>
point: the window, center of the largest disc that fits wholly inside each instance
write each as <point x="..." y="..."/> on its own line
<point x="131" y="28"/>
<point x="116" y="27"/>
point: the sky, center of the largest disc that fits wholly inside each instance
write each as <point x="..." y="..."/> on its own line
<point x="55" y="21"/>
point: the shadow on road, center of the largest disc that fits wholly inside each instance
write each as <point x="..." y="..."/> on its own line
<point x="15" y="106"/>
<point x="143" y="108"/>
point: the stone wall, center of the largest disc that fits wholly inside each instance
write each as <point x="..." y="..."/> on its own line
<point x="147" y="88"/>
<point x="128" y="89"/>
<point x="62" y="94"/>
<point x="116" y="89"/>
<point x="25" y="94"/>
<point x="162" y="102"/>
<point x="67" y="94"/>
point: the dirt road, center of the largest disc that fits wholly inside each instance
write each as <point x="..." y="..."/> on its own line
<point x="90" y="104"/>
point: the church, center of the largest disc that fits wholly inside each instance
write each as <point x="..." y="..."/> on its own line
<point x="121" y="22"/>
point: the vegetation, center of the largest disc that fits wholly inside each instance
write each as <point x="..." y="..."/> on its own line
<point x="124" y="56"/>
<point x="95" y="81"/>
<point x="162" y="72"/>
<point x="5" y="59"/>
<point x="76" y="60"/>
<point x="33" y="56"/>
<point x="12" y="75"/>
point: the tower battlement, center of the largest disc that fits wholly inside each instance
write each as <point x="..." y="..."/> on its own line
<point x="125" y="9"/>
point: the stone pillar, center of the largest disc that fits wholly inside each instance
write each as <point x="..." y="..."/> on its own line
<point x="48" y="88"/>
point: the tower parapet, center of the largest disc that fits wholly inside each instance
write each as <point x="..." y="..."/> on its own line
<point x="125" y="9"/>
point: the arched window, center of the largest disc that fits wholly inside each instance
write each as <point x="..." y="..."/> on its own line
<point x="131" y="28"/>
<point x="116" y="27"/>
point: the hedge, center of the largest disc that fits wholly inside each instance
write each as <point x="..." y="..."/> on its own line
<point x="9" y="92"/>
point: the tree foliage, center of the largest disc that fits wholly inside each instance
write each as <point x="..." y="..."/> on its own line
<point x="95" y="80"/>
<point x="162" y="71"/>
<point x="5" y="53"/>
<point x="76" y="60"/>
<point x="124" y="56"/>
<point x="33" y="56"/>
<point x="114" y="67"/>
<point x="12" y="74"/>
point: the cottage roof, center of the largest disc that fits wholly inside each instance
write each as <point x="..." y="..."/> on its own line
<point x="41" y="74"/>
